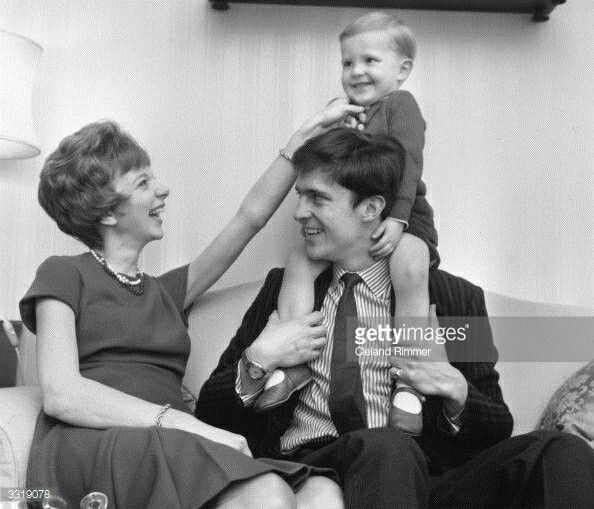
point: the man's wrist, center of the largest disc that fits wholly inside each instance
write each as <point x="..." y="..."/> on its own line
<point x="455" y="399"/>
<point x="258" y="356"/>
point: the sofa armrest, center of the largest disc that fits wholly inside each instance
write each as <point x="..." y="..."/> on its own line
<point x="20" y="408"/>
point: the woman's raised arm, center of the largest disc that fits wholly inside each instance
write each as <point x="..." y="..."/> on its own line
<point x="257" y="207"/>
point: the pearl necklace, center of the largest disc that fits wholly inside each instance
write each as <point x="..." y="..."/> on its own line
<point x="135" y="284"/>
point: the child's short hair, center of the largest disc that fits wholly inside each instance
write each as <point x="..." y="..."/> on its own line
<point x="365" y="164"/>
<point x="402" y="36"/>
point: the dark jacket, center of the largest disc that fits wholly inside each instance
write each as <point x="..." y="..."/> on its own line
<point x="486" y="419"/>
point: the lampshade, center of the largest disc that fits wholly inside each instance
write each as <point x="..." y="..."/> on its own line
<point x="19" y="59"/>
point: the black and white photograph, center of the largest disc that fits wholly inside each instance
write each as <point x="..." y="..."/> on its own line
<point x="296" y="254"/>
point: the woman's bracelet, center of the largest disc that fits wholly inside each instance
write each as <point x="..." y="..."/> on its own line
<point x="161" y="414"/>
<point x="283" y="153"/>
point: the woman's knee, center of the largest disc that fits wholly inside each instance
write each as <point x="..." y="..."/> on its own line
<point x="266" y="490"/>
<point x="274" y="492"/>
<point x="320" y="492"/>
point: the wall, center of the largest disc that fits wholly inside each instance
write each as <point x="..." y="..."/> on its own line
<point x="213" y="95"/>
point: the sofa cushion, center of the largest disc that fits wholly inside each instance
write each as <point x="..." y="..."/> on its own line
<point x="571" y="408"/>
<point x="20" y="407"/>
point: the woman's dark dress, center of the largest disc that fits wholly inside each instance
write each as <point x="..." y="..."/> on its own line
<point x="137" y="344"/>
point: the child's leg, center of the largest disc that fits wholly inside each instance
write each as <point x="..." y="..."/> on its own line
<point x="296" y="298"/>
<point x="409" y="272"/>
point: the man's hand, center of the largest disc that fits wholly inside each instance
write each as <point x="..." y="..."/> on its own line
<point x="433" y="374"/>
<point x="290" y="342"/>
<point x="387" y="236"/>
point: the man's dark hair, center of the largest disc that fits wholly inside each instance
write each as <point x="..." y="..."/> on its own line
<point x="366" y="164"/>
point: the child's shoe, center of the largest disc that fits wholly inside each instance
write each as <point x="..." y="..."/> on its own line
<point x="406" y="410"/>
<point x="281" y="385"/>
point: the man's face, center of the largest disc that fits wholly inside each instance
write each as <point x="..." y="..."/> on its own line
<point x="333" y="230"/>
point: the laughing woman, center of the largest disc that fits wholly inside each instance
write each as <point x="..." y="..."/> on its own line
<point x="112" y="343"/>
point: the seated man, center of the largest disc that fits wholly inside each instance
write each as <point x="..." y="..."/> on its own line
<point x="463" y="458"/>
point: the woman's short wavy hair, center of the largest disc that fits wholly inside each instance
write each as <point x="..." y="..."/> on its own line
<point x="76" y="182"/>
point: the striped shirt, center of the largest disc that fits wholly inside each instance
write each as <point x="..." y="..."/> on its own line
<point x="312" y="420"/>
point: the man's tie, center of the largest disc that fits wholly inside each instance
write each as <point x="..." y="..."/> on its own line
<point x="347" y="402"/>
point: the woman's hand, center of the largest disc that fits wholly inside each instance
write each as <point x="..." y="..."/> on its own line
<point x="233" y="440"/>
<point x="354" y="121"/>
<point x="340" y="113"/>
<point x="333" y="115"/>
<point x="185" y="422"/>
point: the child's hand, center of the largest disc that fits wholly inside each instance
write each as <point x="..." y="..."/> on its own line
<point x="387" y="237"/>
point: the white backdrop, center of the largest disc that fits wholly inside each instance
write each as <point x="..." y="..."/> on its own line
<point x="213" y="95"/>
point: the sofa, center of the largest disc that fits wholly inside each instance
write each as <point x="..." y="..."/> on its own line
<point x="527" y="386"/>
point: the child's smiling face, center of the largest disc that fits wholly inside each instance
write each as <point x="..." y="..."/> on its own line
<point x="372" y="67"/>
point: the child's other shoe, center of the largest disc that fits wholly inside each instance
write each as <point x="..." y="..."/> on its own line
<point x="406" y="410"/>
